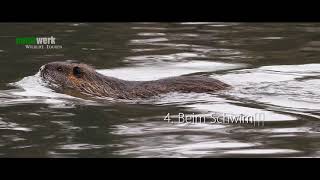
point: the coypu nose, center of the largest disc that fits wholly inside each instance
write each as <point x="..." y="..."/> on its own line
<point x="42" y="68"/>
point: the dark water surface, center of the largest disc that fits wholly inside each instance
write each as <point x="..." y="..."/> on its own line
<point x="273" y="67"/>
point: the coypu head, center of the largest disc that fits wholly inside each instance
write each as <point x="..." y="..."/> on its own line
<point x="79" y="78"/>
<point x="68" y="74"/>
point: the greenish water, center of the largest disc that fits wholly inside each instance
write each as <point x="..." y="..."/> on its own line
<point x="273" y="67"/>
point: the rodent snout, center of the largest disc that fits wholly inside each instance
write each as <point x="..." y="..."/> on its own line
<point x="42" y="68"/>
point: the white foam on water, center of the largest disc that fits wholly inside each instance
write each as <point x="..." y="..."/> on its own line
<point x="13" y="126"/>
<point x="190" y="148"/>
<point x="179" y="146"/>
<point x="79" y="146"/>
<point x="151" y="34"/>
<point x="286" y="101"/>
<point x="196" y="23"/>
<point x="254" y="76"/>
<point x="150" y="40"/>
<point x="33" y="90"/>
<point x="271" y="74"/>
<point x="303" y="69"/>
<point x="293" y="88"/>
<point x="33" y="86"/>
<point x="147" y="128"/>
<point x="262" y="151"/>
<point x="272" y="38"/>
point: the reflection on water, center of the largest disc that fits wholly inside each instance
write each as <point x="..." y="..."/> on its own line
<point x="274" y="70"/>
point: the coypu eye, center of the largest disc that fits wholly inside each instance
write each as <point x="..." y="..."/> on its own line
<point x="59" y="68"/>
<point x="77" y="71"/>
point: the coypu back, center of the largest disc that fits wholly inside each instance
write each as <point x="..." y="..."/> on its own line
<point x="185" y="84"/>
<point x="84" y="79"/>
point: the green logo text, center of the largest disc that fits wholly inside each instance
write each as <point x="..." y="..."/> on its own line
<point x="35" y="40"/>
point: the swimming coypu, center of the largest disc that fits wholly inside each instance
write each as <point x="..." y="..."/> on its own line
<point x="83" y="78"/>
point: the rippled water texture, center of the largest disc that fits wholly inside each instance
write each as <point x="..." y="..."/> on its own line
<point x="274" y="69"/>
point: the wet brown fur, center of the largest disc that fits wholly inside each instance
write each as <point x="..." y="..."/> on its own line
<point x="83" y="78"/>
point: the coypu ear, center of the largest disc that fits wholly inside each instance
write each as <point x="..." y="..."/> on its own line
<point x="77" y="72"/>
